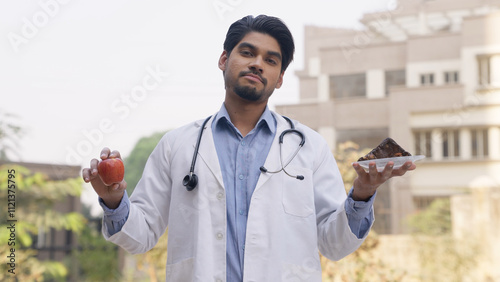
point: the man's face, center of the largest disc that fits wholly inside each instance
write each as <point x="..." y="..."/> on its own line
<point x="253" y="69"/>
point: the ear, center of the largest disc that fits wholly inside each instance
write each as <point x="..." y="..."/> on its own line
<point x="223" y="60"/>
<point x="280" y="80"/>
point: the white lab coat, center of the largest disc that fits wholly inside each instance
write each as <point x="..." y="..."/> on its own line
<point x="289" y="220"/>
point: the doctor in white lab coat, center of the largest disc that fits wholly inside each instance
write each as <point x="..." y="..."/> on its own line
<point x="289" y="220"/>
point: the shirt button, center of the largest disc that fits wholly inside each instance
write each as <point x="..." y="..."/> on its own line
<point x="243" y="143"/>
<point x="241" y="212"/>
<point x="241" y="177"/>
<point x="220" y="196"/>
<point x="219" y="236"/>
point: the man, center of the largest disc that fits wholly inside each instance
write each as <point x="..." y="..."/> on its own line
<point x="261" y="209"/>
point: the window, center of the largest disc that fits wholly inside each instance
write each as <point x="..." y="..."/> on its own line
<point x="422" y="202"/>
<point x="427" y="79"/>
<point x="423" y="143"/>
<point x="394" y="78"/>
<point x="41" y="239"/>
<point x="488" y="70"/>
<point x="451" y="77"/>
<point x="353" y="85"/>
<point x="479" y="143"/>
<point x="451" y="143"/>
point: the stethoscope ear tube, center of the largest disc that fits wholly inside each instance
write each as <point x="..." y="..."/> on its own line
<point x="285" y="132"/>
<point x="190" y="181"/>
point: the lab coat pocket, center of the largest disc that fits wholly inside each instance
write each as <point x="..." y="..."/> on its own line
<point x="293" y="272"/>
<point x="298" y="197"/>
<point x="181" y="271"/>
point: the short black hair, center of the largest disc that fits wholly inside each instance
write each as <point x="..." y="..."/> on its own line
<point x="271" y="26"/>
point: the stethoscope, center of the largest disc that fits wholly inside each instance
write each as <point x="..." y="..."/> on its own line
<point x="191" y="180"/>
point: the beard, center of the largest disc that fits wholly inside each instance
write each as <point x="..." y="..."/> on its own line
<point x="248" y="93"/>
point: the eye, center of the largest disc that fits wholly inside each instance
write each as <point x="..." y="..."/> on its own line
<point x="272" y="61"/>
<point x="246" y="53"/>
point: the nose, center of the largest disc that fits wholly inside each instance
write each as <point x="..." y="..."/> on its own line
<point x="256" y="64"/>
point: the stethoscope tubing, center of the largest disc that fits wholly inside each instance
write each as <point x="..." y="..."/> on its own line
<point x="190" y="181"/>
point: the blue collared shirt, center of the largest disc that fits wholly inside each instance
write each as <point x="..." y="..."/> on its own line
<point x="240" y="159"/>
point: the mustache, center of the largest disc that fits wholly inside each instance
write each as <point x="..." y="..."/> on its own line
<point x="264" y="81"/>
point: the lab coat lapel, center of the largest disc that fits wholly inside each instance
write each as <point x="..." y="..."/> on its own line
<point x="207" y="152"/>
<point x="273" y="158"/>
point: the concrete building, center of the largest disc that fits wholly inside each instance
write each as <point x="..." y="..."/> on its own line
<point x="426" y="73"/>
<point x="56" y="245"/>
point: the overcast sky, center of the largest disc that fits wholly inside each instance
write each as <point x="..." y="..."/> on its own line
<point x="85" y="74"/>
<point x="81" y="75"/>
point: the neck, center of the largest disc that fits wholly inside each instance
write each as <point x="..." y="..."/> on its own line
<point x="244" y="114"/>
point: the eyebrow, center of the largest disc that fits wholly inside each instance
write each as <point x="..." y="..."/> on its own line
<point x="253" y="47"/>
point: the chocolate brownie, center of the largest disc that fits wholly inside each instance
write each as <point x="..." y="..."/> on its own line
<point x="387" y="149"/>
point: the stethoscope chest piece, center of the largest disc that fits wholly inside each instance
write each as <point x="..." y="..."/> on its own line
<point x="190" y="181"/>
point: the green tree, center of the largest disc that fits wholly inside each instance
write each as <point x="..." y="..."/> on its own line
<point x="442" y="256"/>
<point x="135" y="162"/>
<point x="361" y="265"/>
<point x="10" y="134"/>
<point x="153" y="262"/>
<point x="345" y="154"/>
<point x="96" y="256"/>
<point x="35" y="197"/>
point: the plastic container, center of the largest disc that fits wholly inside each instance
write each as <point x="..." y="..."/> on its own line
<point x="398" y="162"/>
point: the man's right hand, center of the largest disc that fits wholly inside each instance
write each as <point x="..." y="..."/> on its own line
<point x="111" y="195"/>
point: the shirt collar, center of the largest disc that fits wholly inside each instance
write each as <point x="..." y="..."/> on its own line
<point x="266" y="119"/>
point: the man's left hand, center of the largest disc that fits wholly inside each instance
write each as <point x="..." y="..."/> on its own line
<point x="366" y="183"/>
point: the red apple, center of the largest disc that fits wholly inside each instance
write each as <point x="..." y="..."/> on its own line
<point x="111" y="171"/>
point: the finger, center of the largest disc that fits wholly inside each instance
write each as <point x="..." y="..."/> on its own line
<point x="410" y="165"/>
<point x="93" y="166"/>
<point x="404" y="168"/>
<point x="105" y="153"/>
<point x="86" y="175"/>
<point x="359" y="170"/>
<point x="115" y="154"/>
<point x="387" y="172"/>
<point x="89" y="174"/>
<point x="372" y="170"/>
<point x="119" y="186"/>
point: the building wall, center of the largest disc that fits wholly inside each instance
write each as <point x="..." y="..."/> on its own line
<point x="345" y="60"/>
<point x="442" y="47"/>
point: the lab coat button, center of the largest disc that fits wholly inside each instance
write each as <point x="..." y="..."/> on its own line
<point x="220" y="196"/>
<point x="220" y="236"/>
